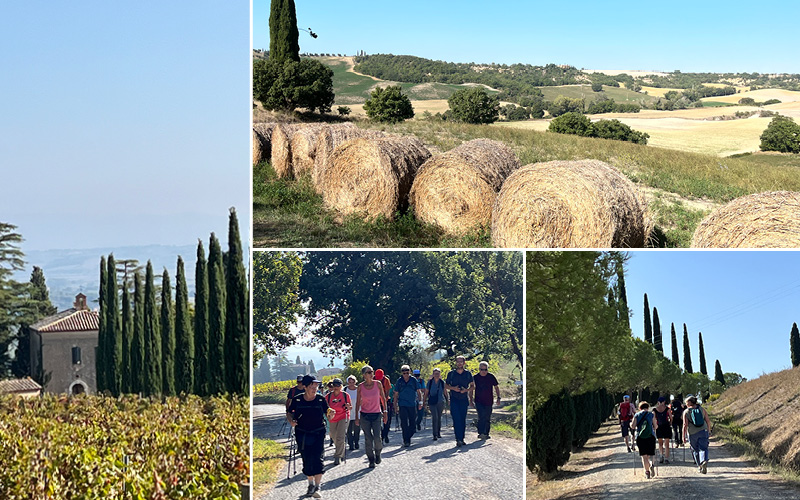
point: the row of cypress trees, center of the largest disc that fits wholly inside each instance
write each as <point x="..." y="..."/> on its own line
<point x="156" y="347"/>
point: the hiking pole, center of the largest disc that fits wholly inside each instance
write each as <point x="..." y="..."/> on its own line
<point x="291" y="453"/>
<point x="283" y="427"/>
<point x="634" y="463"/>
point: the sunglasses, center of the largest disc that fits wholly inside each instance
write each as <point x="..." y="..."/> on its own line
<point x="484" y="369"/>
<point x="367" y="373"/>
<point x="405" y="371"/>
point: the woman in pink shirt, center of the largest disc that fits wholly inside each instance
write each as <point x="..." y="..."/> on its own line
<point x="370" y="412"/>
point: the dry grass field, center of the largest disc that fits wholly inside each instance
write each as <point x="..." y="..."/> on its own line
<point x="759" y="95"/>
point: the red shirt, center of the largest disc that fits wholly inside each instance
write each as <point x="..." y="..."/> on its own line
<point x="338" y="403"/>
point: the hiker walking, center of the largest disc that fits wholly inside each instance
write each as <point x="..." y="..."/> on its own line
<point x="663" y="414"/>
<point x="387" y="392"/>
<point x="353" y="430"/>
<point x="340" y="402"/>
<point x="435" y="396"/>
<point x="626" y="411"/>
<point x="646" y="427"/>
<point x="370" y="412"/>
<point x="420" y="399"/>
<point x="294" y="391"/>
<point x="484" y="383"/>
<point x="406" y="394"/>
<point x="677" y="408"/>
<point x="306" y="413"/>
<point x="697" y="427"/>
<point x="460" y="384"/>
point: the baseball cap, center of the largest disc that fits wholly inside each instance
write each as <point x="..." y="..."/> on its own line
<point x="416" y="372"/>
<point x="626" y="397"/>
<point x="662" y="399"/>
<point x="379" y="374"/>
<point x="337" y="381"/>
<point x="299" y="378"/>
<point x="308" y="380"/>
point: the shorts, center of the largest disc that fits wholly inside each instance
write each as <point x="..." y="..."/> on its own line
<point x="647" y="446"/>
<point x="626" y="427"/>
<point x="664" y="432"/>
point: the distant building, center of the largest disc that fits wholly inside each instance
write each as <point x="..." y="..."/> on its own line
<point x="63" y="348"/>
<point x="25" y="387"/>
<point x="324" y="372"/>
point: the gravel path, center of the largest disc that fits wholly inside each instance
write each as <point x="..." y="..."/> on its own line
<point x="603" y="469"/>
<point x="480" y="470"/>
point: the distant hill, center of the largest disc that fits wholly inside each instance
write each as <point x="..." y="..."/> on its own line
<point x="767" y="410"/>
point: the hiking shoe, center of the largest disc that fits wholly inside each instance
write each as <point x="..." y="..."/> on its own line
<point x="661" y="460"/>
<point x="435" y="438"/>
<point x="336" y="461"/>
<point x="629" y="449"/>
<point x="371" y="463"/>
<point x="377" y="457"/>
<point x="357" y="445"/>
<point x="486" y="436"/>
<point x="386" y="440"/>
<point x="647" y="474"/>
<point x="316" y="492"/>
<point x="704" y="467"/>
<point x="352" y="447"/>
<point x="311" y="489"/>
<point x="406" y="444"/>
<point x="419" y="427"/>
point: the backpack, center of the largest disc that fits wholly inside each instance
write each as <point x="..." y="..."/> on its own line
<point x="625" y="411"/>
<point x="644" y="430"/>
<point x="346" y="401"/>
<point x="696" y="417"/>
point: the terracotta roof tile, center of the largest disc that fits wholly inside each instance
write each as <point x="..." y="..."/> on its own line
<point x="18" y="385"/>
<point x="71" y="320"/>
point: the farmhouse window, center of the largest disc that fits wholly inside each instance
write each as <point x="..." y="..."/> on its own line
<point x="76" y="355"/>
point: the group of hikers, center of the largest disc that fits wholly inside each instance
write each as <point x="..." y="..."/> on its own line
<point x="687" y="420"/>
<point x="368" y="406"/>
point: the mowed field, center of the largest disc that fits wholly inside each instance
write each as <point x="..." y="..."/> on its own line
<point x="759" y="95"/>
<point x="619" y="94"/>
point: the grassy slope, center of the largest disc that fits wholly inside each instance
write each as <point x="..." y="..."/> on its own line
<point x="619" y="94"/>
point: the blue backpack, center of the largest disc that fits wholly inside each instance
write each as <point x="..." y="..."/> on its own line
<point x="696" y="416"/>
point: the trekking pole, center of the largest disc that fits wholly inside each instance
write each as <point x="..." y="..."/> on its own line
<point x="634" y="463"/>
<point x="291" y="454"/>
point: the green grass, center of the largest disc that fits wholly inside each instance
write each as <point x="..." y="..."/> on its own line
<point x="268" y="457"/>
<point x="716" y="104"/>
<point x="619" y="94"/>
<point x="771" y="159"/>
<point x="675" y="222"/>
<point x="506" y="430"/>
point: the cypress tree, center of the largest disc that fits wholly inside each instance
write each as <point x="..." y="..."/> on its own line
<point x="687" y="357"/>
<point x="127" y="338"/>
<point x="201" y="340"/>
<point x="794" y="345"/>
<point x="648" y="329"/>
<point x="113" y="332"/>
<point x="216" y="317"/>
<point x="718" y="375"/>
<point x="167" y="338"/>
<point x="152" y="380"/>
<point x="283" y="34"/>
<point x="137" y="384"/>
<point x="100" y="353"/>
<point x="657" y="336"/>
<point x="237" y="324"/>
<point x="622" y="296"/>
<point x="184" y="337"/>
<point x="703" y="368"/>
<point x="675" y="358"/>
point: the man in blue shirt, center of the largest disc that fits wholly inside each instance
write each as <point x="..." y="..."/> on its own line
<point x="460" y="384"/>
<point x="406" y="393"/>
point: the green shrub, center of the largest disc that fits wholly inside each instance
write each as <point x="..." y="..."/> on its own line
<point x="564" y="105"/>
<point x="572" y="123"/>
<point x="782" y="134"/>
<point x="343" y="110"/>
<point x="474" y="105"/>
<point x="388" y="105"/>
<point x="291" y="85"/>
<point x="550" y="433"/>
<point x="771" y="101"/>
<point x="747" y="101"/>
<point x="597" y="87"/>
<point x="615" y="129"/>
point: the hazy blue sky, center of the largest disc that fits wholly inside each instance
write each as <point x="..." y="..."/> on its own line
<point x="124" y="123"/>
<point x="743" y="302"/>
<point x="685" y="35"/>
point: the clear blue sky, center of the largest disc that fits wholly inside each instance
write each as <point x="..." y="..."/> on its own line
<point x="686" y="35"/>
<point x="124" y="123"/>
<point x="743" y="302"/>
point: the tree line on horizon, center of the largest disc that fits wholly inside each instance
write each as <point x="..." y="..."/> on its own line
<point x="163" y="347"/>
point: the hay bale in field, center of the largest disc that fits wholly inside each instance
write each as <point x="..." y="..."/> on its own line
<point x="281" y="157"/>
<point x="328" y="139"/>
<point x="456" y="190"/>
<point x="569" y="204"/>
<point x="304" y="146"/>
<point x="262" y="141"/>
<point x="372" y="177"/>
<point x="763" y="220"/>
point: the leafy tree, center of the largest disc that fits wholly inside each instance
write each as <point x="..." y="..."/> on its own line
<point x="621" y="293"/>
<point x="648" y="328"/>
<point x="718" y="375"/>
<point x="388" y="105"/>
<point x="113" y="338"/>
<point x="216" y="317"/>
<point x="657" y="335"/>
<point x="167" y="337"/>
<point x="732" y="379"/>
<point x="794" y="344"/>
<point x="344" y="110"/>
<point x="703" y="368"/>
<point x="601" y="105"/>
<point x="237" y="313"/>
<point x="674" y="340"/>
<point x="184" y="336"/>
<point x="474" y="105"/>
<point x="563" y="105"/>
<point x="687" y="356"/>
<point x="35" y="305"/>
<point x="138" y="343"/>
<point x="283" y="34"/>
<point x="288" y="85"/>
<point x="202" y="343"/>
<point x="276" y="301"/>
<point x="618" y="131"/>
<point x="747" y="101"/>
<point x="782" y="134"/>
<point x="572" y="123"/>
<point x="152" y="374"/>
<point x="597" y="87"/>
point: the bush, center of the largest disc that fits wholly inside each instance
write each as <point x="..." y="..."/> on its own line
<point x="601" y="106"/>
<point x="747" y="101"/>
<point x="564" y="104"/>
<point x="290" y="85"/>
<point x="343" y="110"/>
<point x="782" y="134"/>
<point x="388" y="105"/>
<point x="597" y="87"/>
<point x="550" y="433"/>
<point x="572" y="123"/>
<point x="474" y="105"/>
<point x="515" y="113"/>
<point x="771" y="101"/>
<point x="616" y="130"/>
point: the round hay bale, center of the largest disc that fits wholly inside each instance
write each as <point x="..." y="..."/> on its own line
<point x="281" y="154"/>
<point x="304" y="146"/>
<point x="328" y="139"/>
<point x="456" y="190"/>
<point x="262" y="141"/>
<point x="763" y="220"/>
<point x="569" y="204"/>
<point x="372" y="177"/>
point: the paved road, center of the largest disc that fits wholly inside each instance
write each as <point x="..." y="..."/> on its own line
<point x="428" y="469"/>
<point x="603" y="469"/>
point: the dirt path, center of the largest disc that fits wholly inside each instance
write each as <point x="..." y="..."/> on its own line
<point x="603" y="469"/>
<point x="428" y="469"/>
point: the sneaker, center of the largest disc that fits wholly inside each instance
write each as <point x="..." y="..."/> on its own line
<point x="406" y="444"/>
<point x="629" y="449"/>
<point x="316" y="492"/>
<point x="704" y="467"/>
<point x="336" y="461"/>
<point x="435" y="438"/>
<point x="352" y="447"/>
<point x="386" y="439"/>
<point x="371" y="463"/>
<point x="377" y="457"/>
<point x="311" y="489"/>
<point x="661" y="460"/>
<point x="356" y="445"/>
<point x="647" y="474"/>
<point x="666" y="461"/>
<point x="486" y="436"/>
<point x="331" y="443"/>
<point x="419" y="427"/>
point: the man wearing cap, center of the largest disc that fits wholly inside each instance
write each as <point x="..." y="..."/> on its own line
<point x="626" y="412"/>
<point x="420" y="399"/>
<point x="341" y="404"/>
<point x="294" y="391"/>
<point x="406" y="392"/>
<point x="460" y="384"/>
